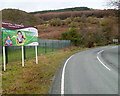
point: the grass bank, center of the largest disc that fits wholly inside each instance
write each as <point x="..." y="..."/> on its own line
<point x="34" y="78"/>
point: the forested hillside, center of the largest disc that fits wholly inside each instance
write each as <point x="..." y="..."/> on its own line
<point x="64" y="15"/>
<point x="63" y="10"/>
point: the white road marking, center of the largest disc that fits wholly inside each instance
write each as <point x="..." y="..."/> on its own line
<point x="63" y="75"/>
<point x="101" y="61"/>
<point x="63" y="71"/>
<point x="100" y="52"/>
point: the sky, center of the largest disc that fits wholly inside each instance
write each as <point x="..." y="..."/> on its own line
<point x="40" y="5"/>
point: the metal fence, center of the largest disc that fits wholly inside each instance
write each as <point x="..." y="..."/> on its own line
<point x="13" y="53"/>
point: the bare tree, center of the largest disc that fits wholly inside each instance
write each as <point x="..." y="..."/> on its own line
<point x="114" y="3"/>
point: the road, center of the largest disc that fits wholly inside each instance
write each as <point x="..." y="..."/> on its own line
<point x="94" y="71"/>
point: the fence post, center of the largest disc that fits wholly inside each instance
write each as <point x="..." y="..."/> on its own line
<point x="58" y="45"/>
<point x="45" y="47"/>
<point x="52" y="46"/>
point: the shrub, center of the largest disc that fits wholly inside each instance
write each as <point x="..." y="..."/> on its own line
<point x="72" y="35"/>
<point x="64" y="36"/>
<point x="68" y="21"/>
<point x="92" y="20"/>
<point x="77" y="19"/>
<point x="55" y="22"/>
<point x="73" y="24"/>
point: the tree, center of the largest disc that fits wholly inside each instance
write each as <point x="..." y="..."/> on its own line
<point x="55" y="22"/>
<point x="72" y="35"/>
<point x="114" y="3"/>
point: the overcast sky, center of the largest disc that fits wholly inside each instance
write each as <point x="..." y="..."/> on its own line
<point x="38" y="5"/>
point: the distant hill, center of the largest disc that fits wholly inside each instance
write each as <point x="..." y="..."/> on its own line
<point x="71" y="14"/>
<point x="20" y="17"/>
<point x="39" y="17"/>
<point x="64" y="10"/>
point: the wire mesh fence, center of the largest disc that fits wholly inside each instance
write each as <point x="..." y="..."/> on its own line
<point x="13" y="53"/>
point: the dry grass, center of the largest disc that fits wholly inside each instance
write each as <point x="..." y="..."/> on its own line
<point x="51" y="32"/>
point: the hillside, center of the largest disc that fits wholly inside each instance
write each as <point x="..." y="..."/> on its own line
<point x="63" y="10"/>
<point x="66" y="14"/>
<point x="20" y="17"/>
<point x="73" y="12"/>
<point x="98" y="26"/>
<point x="36" y="18"/>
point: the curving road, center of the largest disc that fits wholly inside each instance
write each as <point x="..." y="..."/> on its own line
<point x="93" y="71"/>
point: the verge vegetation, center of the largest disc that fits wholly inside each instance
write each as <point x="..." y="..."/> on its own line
<point x="34" y="78"/>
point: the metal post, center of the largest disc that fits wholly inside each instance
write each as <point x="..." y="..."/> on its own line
<point x="23" y="56"/>
<point x="24" y="52"/>
<point x="6" y="54"/>
<point x="4" y="58"/>
<point x="36" y="50"/>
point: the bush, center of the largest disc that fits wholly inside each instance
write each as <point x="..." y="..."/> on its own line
<point x="55" y="22"/>
<point x="68" y="21"/>
<point x="92" y="20"/>
<point x="64" y="36"/>
<point x="72" y="35"/>
<point x="73" y="24"/>
<point x="77" y="19"/>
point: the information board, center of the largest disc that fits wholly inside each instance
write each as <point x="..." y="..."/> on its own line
<point x="19" y="35"/>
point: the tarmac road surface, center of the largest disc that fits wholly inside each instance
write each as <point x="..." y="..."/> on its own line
<point x="94" y="71"/>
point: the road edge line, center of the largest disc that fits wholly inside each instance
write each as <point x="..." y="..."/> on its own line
<point x="101" y="61"/>
<point x="63" y="75"/>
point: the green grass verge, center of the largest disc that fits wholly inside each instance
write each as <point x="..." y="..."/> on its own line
<point x="34" y="78"/>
